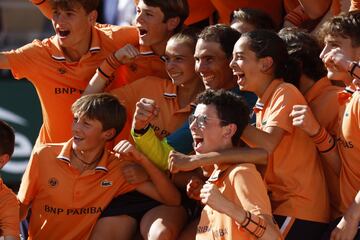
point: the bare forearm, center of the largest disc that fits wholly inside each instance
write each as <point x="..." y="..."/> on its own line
<point x="165" y="188"/>
<point x="233" y="156"/>
<point x="238" y="214"/>
<point x="354" y="209"/>
<point x="97" y="84"/>
<point x="181" y="179"/>
<point x="260" y="139"/>
<point x="333" y="158"/>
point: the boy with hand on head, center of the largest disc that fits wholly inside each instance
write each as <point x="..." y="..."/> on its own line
<point x="231" y="210"/>
<point x="341" y="56"/>
<point x="9" y="206"/>
<point x="69" y="184"/>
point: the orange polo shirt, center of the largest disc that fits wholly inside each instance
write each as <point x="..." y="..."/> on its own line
<point x="9" y="212"/>
<point x="294" y="174"/>
<point x="66" y="203"/>
<point x="348" y="144"/>
<point x="147" y="64"/>
<point x="226" y="7"/>
<point x="58" y="82"/>
<point x="234" y="182"/>
<point x="164" y="92"/>
<point x="322" y="98"/>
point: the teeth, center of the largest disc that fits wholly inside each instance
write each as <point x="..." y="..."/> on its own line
<point x="208" y="78"/>
<point x="175" y="75"/>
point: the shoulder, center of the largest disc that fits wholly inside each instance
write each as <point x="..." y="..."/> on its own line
<point x="288" y="93"/>
<point x="121" y="31"/>
<point x="145" y="84"/>
<point x="241" y="170"/>
<point x="6" y="194"/>
<point x="47" y="152"/>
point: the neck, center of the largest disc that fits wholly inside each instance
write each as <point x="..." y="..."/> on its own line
<point x="159" y="48"/>
<point x="187" y="93"/>
<point x="230" y="84"/>
<point x="262" y="88"/>
<point x="75" y="52"/>
<point x="83" y="160"/>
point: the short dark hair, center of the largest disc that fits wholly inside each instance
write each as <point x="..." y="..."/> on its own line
<point x="265" y="43"/>
<point x="255" y="17"/>
<point x="306" y="49"/>
<point x="88" y="5"/>
<point x="171" y="9"/>
<point x="103" y="107"/>
<point x="7" y="139"/>
<point x="345" y="25"/>
<point x="230" y="108"/>
<point x="222" y="34"/>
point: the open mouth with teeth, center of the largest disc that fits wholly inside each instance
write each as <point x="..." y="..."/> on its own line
<point x="208" y="78"/>
<point x="197" y="142"/>
<point x="142" y="32"/>
<point x="63" y="33"/>
<point x="240" y="78"/>
<point x="175" y="75"/>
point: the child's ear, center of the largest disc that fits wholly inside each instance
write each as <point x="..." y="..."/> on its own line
<point x="230" y="130"/>
<point x="172" y="23"/>
<point x="93" y="16"/>
<point x="4" y="159"/>
<point x="266" y="64"/>
<point x="110" y="133"/>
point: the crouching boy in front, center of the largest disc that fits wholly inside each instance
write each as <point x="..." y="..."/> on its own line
<point x="69" y="184"/>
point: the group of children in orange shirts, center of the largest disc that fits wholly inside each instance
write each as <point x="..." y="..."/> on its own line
<point x="289" y="174"/>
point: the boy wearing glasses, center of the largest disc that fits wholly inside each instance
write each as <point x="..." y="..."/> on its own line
<point x="231" y="211"/>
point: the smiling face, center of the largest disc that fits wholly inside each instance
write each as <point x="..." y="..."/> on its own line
<point x="213" y="65"/>
<point x="73" y="26"/>
<point x="153" y="30"/>
<point x="180" y="62"/>
<point x="246" y="66"/>
<point x="353" y="53"/>
<point x="88" y="134"/>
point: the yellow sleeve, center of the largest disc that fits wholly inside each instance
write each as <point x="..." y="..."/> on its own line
<point x="154" y="149"/>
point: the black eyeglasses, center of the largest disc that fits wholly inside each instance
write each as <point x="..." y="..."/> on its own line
<point x="201" y="120"/>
